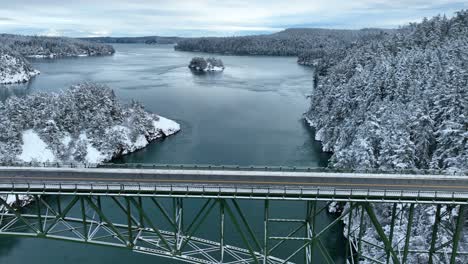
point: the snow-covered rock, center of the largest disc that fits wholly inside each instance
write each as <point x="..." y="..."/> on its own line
<point x="200" y="64"/>
<point x="14" y="68"/>
<point x="83" y="124"/>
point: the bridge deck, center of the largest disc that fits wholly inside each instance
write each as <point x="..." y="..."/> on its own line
<point x="248" y="184"/>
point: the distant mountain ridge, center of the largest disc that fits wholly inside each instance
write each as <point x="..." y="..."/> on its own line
<point x="289" y="42"/>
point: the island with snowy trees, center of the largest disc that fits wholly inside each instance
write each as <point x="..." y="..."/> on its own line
<point x="399" y="102"/>
<point x="16" y="49"/>
<point x="200" y="64"/>
<point x="84" y="124"/>
<point x="14" y="68"/>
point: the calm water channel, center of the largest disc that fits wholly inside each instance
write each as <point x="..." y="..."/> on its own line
<point x="248" y="115"/>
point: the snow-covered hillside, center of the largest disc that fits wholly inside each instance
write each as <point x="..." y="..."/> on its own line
<point x="399" y="102"/>
<point x="85" y="123"/>
<point x="53" y="47"/>
<point x="14" y="68"/>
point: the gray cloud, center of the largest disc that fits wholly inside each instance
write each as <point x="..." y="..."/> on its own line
<point x="202" y="17"/>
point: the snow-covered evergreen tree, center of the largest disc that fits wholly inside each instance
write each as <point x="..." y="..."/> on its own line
<point x="85" y="123"/>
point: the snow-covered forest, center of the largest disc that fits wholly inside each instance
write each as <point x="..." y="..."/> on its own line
<point x="52" y="47"/>
<point x="14" y="68"/>
<point x="398" y="102"/>
<point x="85" y="123"/>
<point x="290" y="42"/>
<point x="133" y="40"/>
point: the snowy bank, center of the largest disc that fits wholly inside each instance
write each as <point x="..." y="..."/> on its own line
<point x="83" y="124"/>
<point x="14" y="68"/>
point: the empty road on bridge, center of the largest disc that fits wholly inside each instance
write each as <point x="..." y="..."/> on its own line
<point x="235" y="178"/>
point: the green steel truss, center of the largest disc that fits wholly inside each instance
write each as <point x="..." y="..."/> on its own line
<point x="227" y="230"/>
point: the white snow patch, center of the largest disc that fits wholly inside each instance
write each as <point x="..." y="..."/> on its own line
<point x="167" y="126"/>
<point x="66" y="140"/>
<point x="141" y="142"/>
<point x="35" y="149"/>
<point x="93" y="155"/>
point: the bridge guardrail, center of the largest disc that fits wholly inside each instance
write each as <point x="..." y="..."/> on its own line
<point x="231" y="167"/>
<point x="264" y="192"/>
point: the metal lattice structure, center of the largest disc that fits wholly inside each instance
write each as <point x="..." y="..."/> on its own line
<point x="240" y="224"/>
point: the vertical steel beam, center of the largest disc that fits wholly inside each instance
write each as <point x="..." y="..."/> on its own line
<point x="59" y="204"/>
<point x="179" y="223"/>
<point x="39" y="216"/>
<point x="348" y="254"/>
<point x="312" y="228"/>
<point x="361" y="233"/>
<point x="266" y="217"/>
<point x="392" y="228"/>
<point x="83" y="215"/>
<point x="457" y="233"/>
<point x="408" y="232"/>
<point x="435" y="229"/>
<point x="99" y="205"/>
<point x="221" y="231"/>
<point x="308" y="233"/>
<point x="140" y="202"/>
<point x="129" y="222"/>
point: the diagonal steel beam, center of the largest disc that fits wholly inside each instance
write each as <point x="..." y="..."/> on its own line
<point x="435" y="229"/>
<point x="381" y="232"/>
<point x="246" y="224"/>
<point x="164" y="213"/>
<point x="195" y="225"/>
<point x="392" y="228"/>
<point x="18" y="215"/>
<point x="63" y="213"/>
<point x="408" y="232"/>
<point x="150" y="223"/>
<point x="458" y="230"/>
<point x="106" y="220"/>
<point x="239" y="229"/>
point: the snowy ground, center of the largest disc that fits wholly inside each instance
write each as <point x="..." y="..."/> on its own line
<point x="34" y="149"/>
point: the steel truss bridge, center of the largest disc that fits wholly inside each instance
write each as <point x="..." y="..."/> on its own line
<point x="238" y="215"/>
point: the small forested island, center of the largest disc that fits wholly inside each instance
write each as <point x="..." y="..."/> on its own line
<point x="14" y="49"/>
<point x="85" y="123"/>
<point x="200" y="64"/>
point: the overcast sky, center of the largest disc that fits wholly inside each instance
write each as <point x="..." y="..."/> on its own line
<point x="208" y="17"/>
